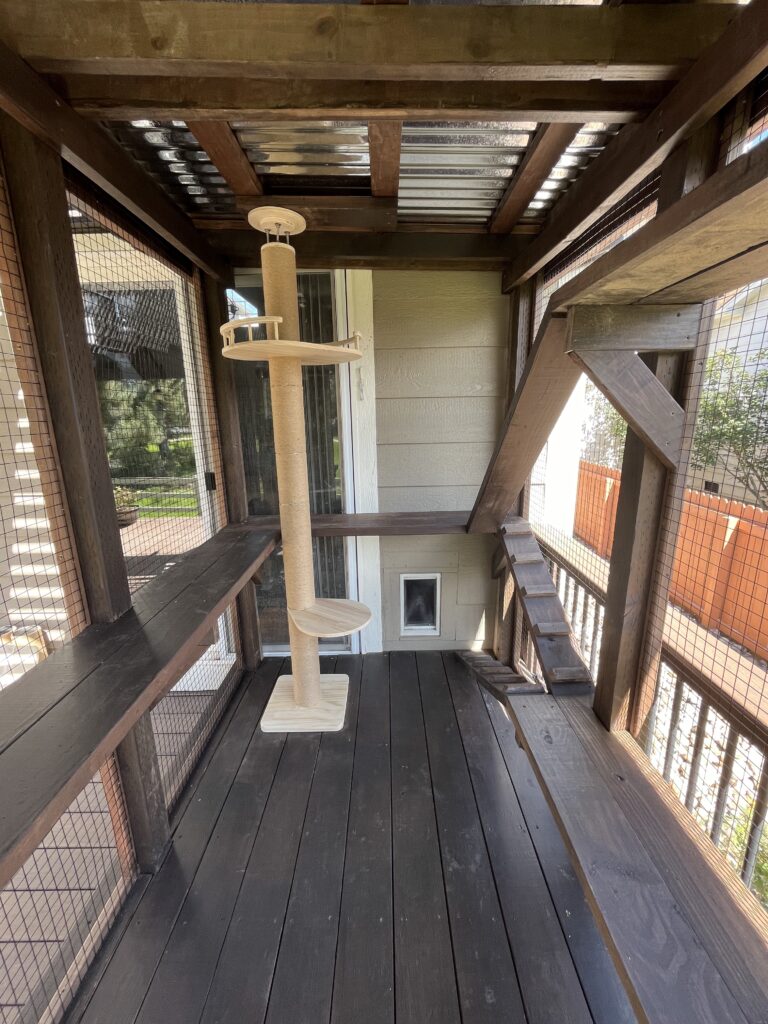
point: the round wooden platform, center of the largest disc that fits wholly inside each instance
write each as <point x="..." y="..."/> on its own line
<point x="329" y="617"/>
<point x="307" y="352"/>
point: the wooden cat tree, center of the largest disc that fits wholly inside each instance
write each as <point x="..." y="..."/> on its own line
<point x="304" y="701"/>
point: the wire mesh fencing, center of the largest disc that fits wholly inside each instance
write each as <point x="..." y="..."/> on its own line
<point x="147" y="337"/>
<point x="58" y="907"/>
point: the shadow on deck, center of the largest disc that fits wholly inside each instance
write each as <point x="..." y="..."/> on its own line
<point x="405" y="869"/>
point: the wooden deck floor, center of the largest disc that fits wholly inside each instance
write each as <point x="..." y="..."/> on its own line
<point x="406" y="869"/>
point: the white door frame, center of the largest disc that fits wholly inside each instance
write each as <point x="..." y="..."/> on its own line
<point x="353" y="305"/>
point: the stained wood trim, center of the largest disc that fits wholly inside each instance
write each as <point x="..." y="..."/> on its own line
<point x="375" y="524"/>
<point x="562" y="665"/>
<point x="27" y="98"/>
<point x="373" y="250"/>
<point x="80" y="730"/>
<point x="716" y="223"/>
<point x="544" y="150"/>
<point x="721" y="71"/>
<point x="664" y="965"/>
<point x="547" y="383"/>
<point x="128" y="98"/>
<point x="633" y="328"/>
<point x="642" y="400"/>
<point x="384" y="138"/>
<point x="333" y="213"/>
<point x="220" y="143"/>
<point x="37" y="194"/>
<point x="359" y="42"/>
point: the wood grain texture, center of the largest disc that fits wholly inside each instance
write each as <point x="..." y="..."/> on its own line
<point x="221" y="144"/>
<point x="126" y="978"/>
<point x="544" y="150"/>
<point x="728" y="66"/>
<point x="479" y="937"/>
<point x="29" y="99"/>
<point x="384" y="139"/>
<point x="546" y="386"/>
<point x="171" y="37"/>
<point x="86" y="724"/>
<point x="644" y="328"/>
<point x="375" y="524"/>
<point x="548" y="981"/>
<point x="425" y="982"/>
<point x="640" y="397"/>
<point x="713" y="225"/>
<point x="364" y="977"/>
<point x="449" y="465"/>
<point x="128" y="98"/>
<point x="667" y="974"/>
<point x="729" y="921"/>
<point x="434" y="421"/>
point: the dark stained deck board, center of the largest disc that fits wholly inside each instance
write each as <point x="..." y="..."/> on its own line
<point x="312" y="920"/>
<point x="388" y="867"/>
<point x="243" y="978"/>
<point x="604" y="992"/>
<point x="548" y="980"/>
<point x="364" y="978"/>
<point x="118" y="997"/>
<point x="485" y="972"/>
<point x="180" y="985"/>
<point x="425" y="988"/>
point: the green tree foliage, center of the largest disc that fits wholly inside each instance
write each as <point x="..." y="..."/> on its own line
<point x="603" y="430"/>
<point x="148" y="427"/>
<point x="732" y="420"/>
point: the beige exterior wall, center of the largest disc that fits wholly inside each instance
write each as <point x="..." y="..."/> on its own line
<point x="440" y="343"/>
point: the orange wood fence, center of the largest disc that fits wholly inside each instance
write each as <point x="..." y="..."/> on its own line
<point x="720" y="573"/>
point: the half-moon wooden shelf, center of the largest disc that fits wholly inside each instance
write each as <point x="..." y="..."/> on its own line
<point x="331" y="617"/>
<point x="306" y="351"/>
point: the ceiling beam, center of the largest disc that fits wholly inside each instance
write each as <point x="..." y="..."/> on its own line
<point x="27" y="98"/>
<point x="384" y="139"/>
<point x="127" y="98"/>
<point x="722" y="71"/>
<point x="185" y="37"/>
<point x="690" y="251"/>
<point x="332" y="213"/>
<point x="390" y="250"/>
<point x="547" y="146"/>
<point x="220" y="143"/>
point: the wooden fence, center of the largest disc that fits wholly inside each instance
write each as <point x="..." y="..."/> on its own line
<point x="720" y="573"/>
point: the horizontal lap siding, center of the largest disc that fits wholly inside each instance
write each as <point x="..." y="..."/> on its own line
<point x="441" y="357"/>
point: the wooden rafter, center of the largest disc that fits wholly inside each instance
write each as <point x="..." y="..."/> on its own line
<point x="719" y="74"/>
<point x="546" y="147"/>
<point x="182" y="37"/>
<point x="224" y="99"/>
<point x="27" y="98"/>
<point x="384" y="138"/>
<point x="220" y="143"/>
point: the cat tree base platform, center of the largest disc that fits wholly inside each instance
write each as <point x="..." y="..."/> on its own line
<point x="282" y="714"/>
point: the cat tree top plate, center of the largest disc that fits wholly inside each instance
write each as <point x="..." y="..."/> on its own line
<point x="329" y="617"/>
<point x="305" y="351"/>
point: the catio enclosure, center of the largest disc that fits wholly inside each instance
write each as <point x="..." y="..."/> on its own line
<point x="544" y="230"/>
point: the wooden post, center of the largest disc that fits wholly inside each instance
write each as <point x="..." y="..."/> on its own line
<point x="637" y="596"/>
<point x="228" y="421"/>
<point x="37" y="192"/>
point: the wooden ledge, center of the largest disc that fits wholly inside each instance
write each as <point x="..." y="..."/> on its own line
<point x="688" y="940"/>
<point x="72" y="710"/>
<point x="373" y="524"/>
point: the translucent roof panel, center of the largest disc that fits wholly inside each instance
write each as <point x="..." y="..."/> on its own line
<point x="457" y="171"/>
<point x="175" y="159"/>
<point x="590" y="141"/>
<point x="308" y="156"/>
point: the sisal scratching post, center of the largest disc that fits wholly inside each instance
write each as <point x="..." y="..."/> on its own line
<point x="306" y="700"/>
